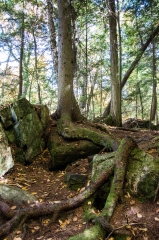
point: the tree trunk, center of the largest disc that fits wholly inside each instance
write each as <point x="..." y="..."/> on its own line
<point x="36" y="68"/>
<point x="115" y="110"/>
<point x="67" y="105"/>
<point x="154" y="93"/>
<point x="52" y="35"/>
<point x="21" y="56"/>
<point x="139" y="55"/>
<point x="135" y="62"/>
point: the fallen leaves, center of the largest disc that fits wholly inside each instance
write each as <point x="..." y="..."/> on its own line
<point x="36" y="227"/>
<point x="139" y="215"/>
<point x="75" y="219"/>
<point x="156" y="219"/>
<point x="13" y="207"/>
<point x="48" y="186"/>
<point x="63" y="224"/>
<point x="45" y="222"/>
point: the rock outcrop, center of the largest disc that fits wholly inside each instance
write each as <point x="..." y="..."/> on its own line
<point x="6" y="160"/>
<point x="24" y="125"/>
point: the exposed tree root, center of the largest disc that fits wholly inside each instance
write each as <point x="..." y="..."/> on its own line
<point x="81" y="131"/>
<point x="121" y="231"/>
<point x="102" y="226"/>
<point x="128" y="129"/>
<point x="18" y="217"/>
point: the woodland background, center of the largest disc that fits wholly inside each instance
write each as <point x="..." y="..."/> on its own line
<point x="28" y="50"/>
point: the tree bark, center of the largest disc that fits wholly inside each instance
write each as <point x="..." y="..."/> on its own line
<point x="52" y="35"/>
<point x="154" y="92"/>
<point x="21" y="56"/>
<point x="67" y="106"/>
<point x="115" y="109"/>
<point x="36" y="68"/>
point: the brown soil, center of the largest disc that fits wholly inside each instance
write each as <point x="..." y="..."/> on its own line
<point x="142" y="219"/>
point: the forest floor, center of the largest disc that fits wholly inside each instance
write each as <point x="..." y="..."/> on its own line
<point x="143" y="218"/>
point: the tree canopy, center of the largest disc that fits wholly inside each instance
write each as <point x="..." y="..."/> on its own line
<point x="29" y="54"/>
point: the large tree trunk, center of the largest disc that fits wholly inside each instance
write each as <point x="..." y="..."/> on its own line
<point x="67" y="106"/>
<point x="115" y="110"/>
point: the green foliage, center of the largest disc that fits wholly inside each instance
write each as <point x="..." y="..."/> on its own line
<point x="92" y="49"/>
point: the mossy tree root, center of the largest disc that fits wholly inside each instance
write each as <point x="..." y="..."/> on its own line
<point x="18" y="217"/>
<point x="102" y="226"/>
<point x="96" y="134"/>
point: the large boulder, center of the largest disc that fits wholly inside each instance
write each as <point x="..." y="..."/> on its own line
<point x="20" y="109"/>
<point x="29" y="131"/>
<point x="44" y="115"/>
<point x="142" y="174"/>
<point x="6" y="116"/>
<point x="16" y="195"/>
<point x="6" y="160"/>
<point x="24" y="126"/>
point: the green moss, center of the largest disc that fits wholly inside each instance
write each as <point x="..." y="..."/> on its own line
<point x="10" y="135"/>
<point x="94" y="233"/>
<point x="142" y="174"/>
<point x="68" y="130"/>
<point x="109" y="120"/>
<point x="149" y="187"/>
<point x="88" y="214"/>
<point x="120" y="237"/>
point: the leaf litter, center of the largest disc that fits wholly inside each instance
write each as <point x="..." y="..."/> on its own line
<point x="142" y="219"/>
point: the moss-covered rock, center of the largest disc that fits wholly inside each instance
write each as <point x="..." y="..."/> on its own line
<point x="20" y="109"/>
<point x="44" y="115"/>
<point x="10" y="135"/>
<point x="34" y="149"/>
<point x="15" y="194"/>
<point x="19" y="156"/>
<point x="24" y="126"/>
<point x="29" y="131"/>
<point x="6" y="117"/>
<point x="94" y="233"/>
<point x="6" y="160"/>
<point x="142" y="174"/>
<point x="75" y="181"/>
